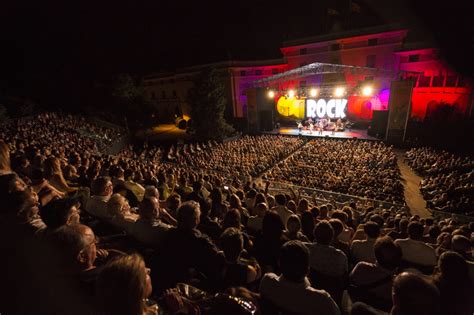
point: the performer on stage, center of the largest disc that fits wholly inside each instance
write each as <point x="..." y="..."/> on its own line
<point x="300" y="127"/>
<point x="339" y="125"/>
<point x="311" y="127"/>
<point x="321" y="126"/>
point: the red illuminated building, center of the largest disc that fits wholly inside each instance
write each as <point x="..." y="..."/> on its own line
<point x="386" y="48"/>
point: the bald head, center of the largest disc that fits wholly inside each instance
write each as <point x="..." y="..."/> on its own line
<point x="149" y="209"/>
<point x="413" y="294"/>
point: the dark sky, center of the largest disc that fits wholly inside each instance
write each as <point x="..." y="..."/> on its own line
<point x="62" y="41"/>
<point x="154" y="35"/>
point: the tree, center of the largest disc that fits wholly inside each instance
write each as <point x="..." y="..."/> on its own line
<point x="208" y="103"/>
<point x="132" y="100"/>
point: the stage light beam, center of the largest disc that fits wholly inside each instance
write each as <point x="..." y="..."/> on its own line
<point x="271" y="94"/>
<point x="313" y="92"/>
<point x="367" y="91"/>
<point x="291" y="93"/>
<point x="339" y="91"/>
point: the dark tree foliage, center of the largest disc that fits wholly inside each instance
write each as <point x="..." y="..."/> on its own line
<point x="130" y="100"/>
<point x="208" y="103"/>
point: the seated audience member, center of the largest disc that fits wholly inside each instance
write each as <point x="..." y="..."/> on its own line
<point x="152" y="191"/>
<point x="78" y="245"/>
<point x="60" y="212"/>
<point x="218" y="207"/>
<point x="54" y="175"/>
<point x="119" y="213"/>
<point x="412" y="294"/>
<point x="20" y="212"/>
<point x="185" y="250"/>
<point x="415" y="253"/>
<point x="233" y="219"/>
<point x="149" y="229"/>
<point x="267" y="245"/>
<point x="208" y="226"/>
<point x="293" y="230"/>
<point x="431" y="237"/>
<point x="329" y="266"/>
<point x="4" y="159"/>
<point x="292" y="291"/>
<point x="10" y="183"/>
<point x="372" y="282"/>
<point x="400" y="231"/>
<point x="235" y="203"/>
<point x="322" y="256"/>
<point x="255" y="223"/>
<point x="172" y="204"/>
<point x="463" y="246"/>
<point x="336" y="242"/>
<point x="123" y="287"/>
<point x="454" y="284"/>
<point x="364" y="250"/>
<point x="307" y="225"/>
<point x="281" y="208"/>
<point x="101" y="190"/>
<point x="129" y="183"/>
<point x="347" y="232"/>
<point x="236" y="272"/>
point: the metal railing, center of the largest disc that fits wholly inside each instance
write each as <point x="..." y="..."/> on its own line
<point x="339" y="198"/>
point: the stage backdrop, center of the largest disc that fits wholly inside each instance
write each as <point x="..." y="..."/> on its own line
<point x="399" y="108"/>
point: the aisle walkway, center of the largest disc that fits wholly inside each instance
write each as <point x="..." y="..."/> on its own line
<point x="411" y="182"/>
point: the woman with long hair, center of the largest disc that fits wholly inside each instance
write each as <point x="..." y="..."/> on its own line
<point x="454" y="284"/>
<point x="54" y="174"/>
<point x="124" y="286"/>
<point x="5" y="167"/>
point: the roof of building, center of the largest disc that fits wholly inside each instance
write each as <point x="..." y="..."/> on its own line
<point x="219" y="65"/>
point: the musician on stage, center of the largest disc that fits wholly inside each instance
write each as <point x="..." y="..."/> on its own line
<point x="300" y="127"/>
<point x="339" y="125"/>
<point x="321" y="126"/>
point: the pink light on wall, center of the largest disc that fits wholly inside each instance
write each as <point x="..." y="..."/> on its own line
<point x="361" y="107"/>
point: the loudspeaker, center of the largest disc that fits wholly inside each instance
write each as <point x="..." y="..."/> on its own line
<point x="265" y="120"/>
<point x="378" y="125"/>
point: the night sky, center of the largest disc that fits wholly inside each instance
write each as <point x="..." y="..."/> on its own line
<point x="67" y="43"/>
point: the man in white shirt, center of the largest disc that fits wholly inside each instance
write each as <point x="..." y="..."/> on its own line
<point x="414" y="250"/>
<point x="255" y="223"/>
<point x="101" y="189"/>
<point x="324" y="258"/>
<point x="149" y="229"/>
<point x="281" y="208"/>
<point x="292" y="291"/>
<point x="363" y="250"/>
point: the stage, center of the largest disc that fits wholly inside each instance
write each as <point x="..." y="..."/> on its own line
<point x="347" y="134"/>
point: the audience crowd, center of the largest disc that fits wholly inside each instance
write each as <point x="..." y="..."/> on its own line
<point x="88" y="233"/>
<point x="448" y="179"/>
<point x="246" y="156"/>
<point x="361" y="168"/>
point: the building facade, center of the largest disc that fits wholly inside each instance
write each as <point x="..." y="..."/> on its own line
<point x="384" y="48"/>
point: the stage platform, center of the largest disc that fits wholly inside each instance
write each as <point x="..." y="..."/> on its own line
<point x="347" y="134"/>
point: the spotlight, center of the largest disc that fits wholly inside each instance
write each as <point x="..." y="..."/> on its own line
<point x="291" y="93"/>
<point x="367" y="91"/>
<point x="271" y="94"/>
<point x="339" y="91"/>
<point x="313" y="92"/>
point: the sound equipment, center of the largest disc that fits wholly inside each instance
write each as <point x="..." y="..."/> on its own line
<point x="266" y="120"/>
<point x="399" y="107"/>
<point x="378" y="125"/>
